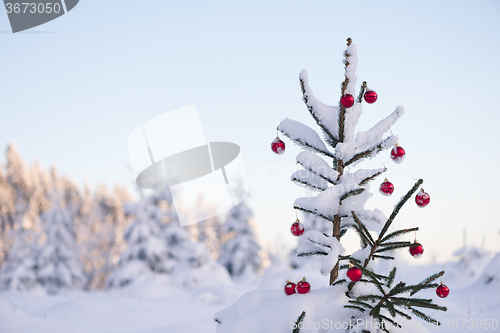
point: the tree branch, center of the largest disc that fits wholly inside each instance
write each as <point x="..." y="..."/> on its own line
<point x="305" y="144"/>
<point x="378" y="148"/>
<point x="398" y="207"/>
<point x="305" y="97"/>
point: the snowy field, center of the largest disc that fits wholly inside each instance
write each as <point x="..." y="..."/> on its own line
<point x="150" y="305"/>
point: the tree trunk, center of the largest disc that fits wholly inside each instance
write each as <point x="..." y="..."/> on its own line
<point x="334" y="273"/>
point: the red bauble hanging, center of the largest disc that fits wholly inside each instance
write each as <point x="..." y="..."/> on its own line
<point x="297" y="228"/>
<point x="303" y="286"/>
<point x="422" y="199"/>
<point x="442" y="290"/>
<point x="386" y="188"/>
<point x="278" y="146"/>
<point x="289" y="287"/>
<point x="397" y="154"/>
<point x="370" y="96"/>
<point x="354" y="274"/>
<point x="347" y="100"/>
<point x="416" y="250"/>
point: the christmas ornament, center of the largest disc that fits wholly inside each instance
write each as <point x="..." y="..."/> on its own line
<point x="347" y="100"/>
<point x="398" y="154"/>
<point x="386" y="188"/>
<point x="442" y="290"/>
<point x="370" y="96"/>
<point x="297" y="228"/>
<point x="422" y="199"/>
<point x="416" y="250"/>
<point x="303" y="286"/>
<point x="289" y="287"/>
<point x="354" y="273"/>
<point x="278" y="146"/>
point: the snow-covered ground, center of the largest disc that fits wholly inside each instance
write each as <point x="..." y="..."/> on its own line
<point x="151" y="305"/>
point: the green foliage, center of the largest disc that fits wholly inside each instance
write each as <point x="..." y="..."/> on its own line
<point x="398" y="233"/>
<point x="315" y="253"/>
<point x="357" y="191"/>
<point x="391" y="277"/>
<point x="299" y="321"/>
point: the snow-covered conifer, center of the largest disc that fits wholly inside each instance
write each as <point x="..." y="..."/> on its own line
<point x="19" y="270"/>
<point x="342" y="191"/>
<point x="57" y="262"/>
<point x="147" y="251"/>
<point x="241" y="253"/>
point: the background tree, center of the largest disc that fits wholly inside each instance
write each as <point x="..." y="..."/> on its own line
<point x="241" y="254"/>
<point x="57" y="263"/>
<point x="147" y="250"/>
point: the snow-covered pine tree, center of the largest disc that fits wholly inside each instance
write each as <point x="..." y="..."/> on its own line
<point x="6" y="209"/>
<point x="57" y="263"/>
<point x="241" y="254"/>
<point x="157" y="244"/>
<point x="375" y="298"/>
<point x="15" y="189"/>
<point x="22" y="199"/>
<point x="147" y="250"/>
<point x="19" y="270"/>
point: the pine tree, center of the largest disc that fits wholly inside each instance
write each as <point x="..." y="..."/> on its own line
<point x="158" y="245"/>
<point x="57" y="263"/>
<point x="21" y="201"/>
<point x="241" y="254"/>
<point x="147" y="250"/>
<point x="6" y="210"/>
<point x="343" y="192"/>
<point x="19" y="270"/>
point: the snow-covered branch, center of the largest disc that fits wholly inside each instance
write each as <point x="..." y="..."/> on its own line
<point x="374" y="134"/>
<point x="318" y="166"/>
<point x="309" y="179"/>
<point x="324" y="115"/>
<point x="378" y="147"/>
<point x="303" y="136"/>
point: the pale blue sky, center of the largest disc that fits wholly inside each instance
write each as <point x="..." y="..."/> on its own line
<point x="71" y="96"/>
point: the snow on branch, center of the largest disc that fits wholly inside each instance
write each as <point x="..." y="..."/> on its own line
<point x="303" y="136"/>
<point x="324" y="115"/>
<point x="363" y="176"/>
<point x="351" y="120"/>
<point x="318" y="166"/>
<point x="325" y="204"/>
<point x="307" y="249"/>
<point x="309" y="179"/>
<point x="351" y="62"/>
<point x="332" y="258"/>
<point x="374" y="134"/>
<point x="319" y="238"/>
<point x="369" y="152"/>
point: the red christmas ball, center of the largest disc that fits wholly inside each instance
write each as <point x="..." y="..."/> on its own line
<point x="398" y="154"/>
<point x="422" y="199"/>
<point x="370" y="96"/>
<point x="442" y="290"/>
<point x="303" y="287"/>
<point x="354" y="274"/>
<point x="386" y="188"/>
<point x="416" y="250"/>
<point x="297" y="228"/>
<point x="278" y="146"/>
<point x="289" y="288"/>
<point x="347" y="100"/>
